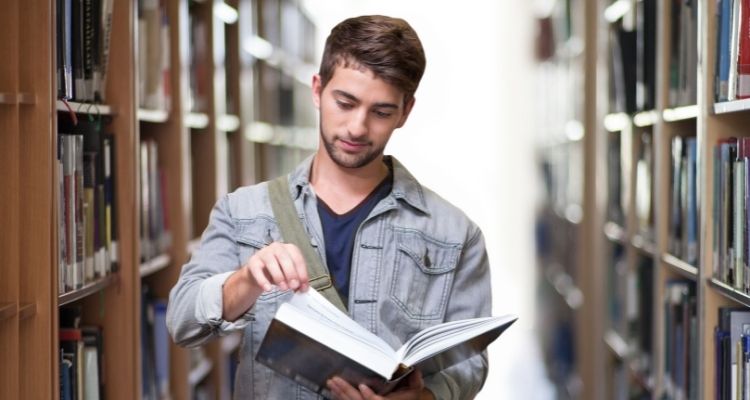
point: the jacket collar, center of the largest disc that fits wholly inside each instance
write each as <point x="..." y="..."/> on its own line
<point x="405" y="185"/>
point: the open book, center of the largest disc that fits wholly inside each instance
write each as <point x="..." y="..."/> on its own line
<point x="310" y="341"/>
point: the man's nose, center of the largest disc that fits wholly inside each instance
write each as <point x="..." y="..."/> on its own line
<point x="358" y="124"/>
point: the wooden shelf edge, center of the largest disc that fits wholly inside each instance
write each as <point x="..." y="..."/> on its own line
<point x="617" y="10"/>
<point x="616" y="344"/>
<point x="646" y="118"/>
<point x="731" y="106"/>
<point x="155" y="116"/>
<point x="7" y="311"/>
<point x="681" y="267"/>
<point x="86" y="108"/>
<point x="196" y="120"/>
<point x="87" y="290"/>
<point x="614" y="232"/>
<point x="228" y="122"/>
<point x="26" y="311"/>
<point x="683" y="113"/>
<point x="155" y="264"/>
<point x="646" y="246"/>
<point x="564" y="286"/>
<point x="200" y="372"/>
<point x="17" y="98"/>
<point x="730" y="292"/>
<point x="616" y="122"/>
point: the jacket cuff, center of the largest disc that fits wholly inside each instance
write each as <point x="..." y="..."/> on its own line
<point x="209" y="306"/>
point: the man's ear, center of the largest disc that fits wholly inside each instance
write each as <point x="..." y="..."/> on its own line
<point x="317" y="90"/>
<point x="407" y="110"/>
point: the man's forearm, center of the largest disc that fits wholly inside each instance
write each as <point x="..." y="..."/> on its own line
<point x="238" y="295"/>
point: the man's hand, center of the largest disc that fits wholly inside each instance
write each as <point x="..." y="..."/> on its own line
<point x="279" y="264"/>
<point x="415" y="390"/>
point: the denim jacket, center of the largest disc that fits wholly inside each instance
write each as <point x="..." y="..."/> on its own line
<point x="417" y="261"/>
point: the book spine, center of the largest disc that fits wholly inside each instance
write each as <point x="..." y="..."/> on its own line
<point x="743" y="56"/>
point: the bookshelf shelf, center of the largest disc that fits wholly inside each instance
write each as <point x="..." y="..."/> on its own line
<point x="17" y="98"/>
<point x="648" y="247"/>
<point x="86" y="108"/>
<point x="196" y="120"/>
<point x="646" y="118"/>
<point x="730" y="292"/>
<point x="616" y="345"/>
<point x="154" y="265"/>
<point x="87" y="290"/>
<point x="154" y="116"/>
<point x="681" y="267"/>
<point x="732" y="106"/>
<point x="614" y="232"/>
<point x="200" y="372"/>
<point x="617" y="10"/>
<point x="683" y="113"/>
<point x="7" y="311"/>
<point x="228" y="123"/>
<point x="564" y="286"/>
<point x="616" y="122"/>
<point x="26" y="310"/>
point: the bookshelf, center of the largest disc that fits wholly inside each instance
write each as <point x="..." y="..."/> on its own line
<point x="198" y="154"/>
<point x="660" y="238"/>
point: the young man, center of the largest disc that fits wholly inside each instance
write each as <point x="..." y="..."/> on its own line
<point x="400" y="257"/>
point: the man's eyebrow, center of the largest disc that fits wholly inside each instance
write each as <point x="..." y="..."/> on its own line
<point x="345" y="94"/>
<point x="353" y="98"/>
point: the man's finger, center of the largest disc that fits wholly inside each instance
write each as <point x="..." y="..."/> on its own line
<point x="288" y="269"/>
<point x="299" y="263"/>
<point x="273" y="269"/>
<point x="346" y="390"/>
<point x="257" y="271"/>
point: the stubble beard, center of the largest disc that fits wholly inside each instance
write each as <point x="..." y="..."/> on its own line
<point x="346" y="160"/>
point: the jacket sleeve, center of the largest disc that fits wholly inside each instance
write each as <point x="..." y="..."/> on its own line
<point x="470" y="298"/>
<point x="194" y="312"/>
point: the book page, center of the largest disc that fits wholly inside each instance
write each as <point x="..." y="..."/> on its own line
<point x="439" y="338"/>
<point x="312" y="315"/>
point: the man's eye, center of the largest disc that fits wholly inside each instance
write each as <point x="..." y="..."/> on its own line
<point x="344" y="106"/>
<point x="382" y="114"/>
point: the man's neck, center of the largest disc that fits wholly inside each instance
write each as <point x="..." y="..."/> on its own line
<point x="343" y="188"/>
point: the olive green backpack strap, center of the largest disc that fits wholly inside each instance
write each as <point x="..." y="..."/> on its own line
<point x="293" y="232"/>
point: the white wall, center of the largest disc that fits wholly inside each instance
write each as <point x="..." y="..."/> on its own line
<point x="470" y="139"/>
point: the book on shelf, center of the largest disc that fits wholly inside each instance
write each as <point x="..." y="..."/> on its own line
<point x="154" y="90"/>
<point x="310" y="340"/>
<point x="83" y="34"/>
<point x="81" y="357"/>
<point x="732" y="75"/>
<point x="681" y="339"/>
<point x="84" y="154"/>
<point x="155" y="236"/>
<point x="683" y="231"/>
<point x="731" y="341"/>
<point x="683" y="73"/>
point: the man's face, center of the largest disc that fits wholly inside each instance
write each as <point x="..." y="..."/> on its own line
<point x="358" y="114"/>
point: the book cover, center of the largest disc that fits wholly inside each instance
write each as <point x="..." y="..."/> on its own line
<point x="310" y="341"/>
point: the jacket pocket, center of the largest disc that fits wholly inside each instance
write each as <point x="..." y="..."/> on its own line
<point x="252" y="235"/>
<point x="423" y="274"/>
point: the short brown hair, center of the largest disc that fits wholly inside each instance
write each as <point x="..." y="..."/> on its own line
<point x="388" y="47"/>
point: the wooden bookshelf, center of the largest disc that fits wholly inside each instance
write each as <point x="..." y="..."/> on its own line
<point x="659" y="256"/>
<point x="193" y="146"/>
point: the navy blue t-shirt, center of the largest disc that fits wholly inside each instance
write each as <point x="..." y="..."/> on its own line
<point x="339" y="231"/>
